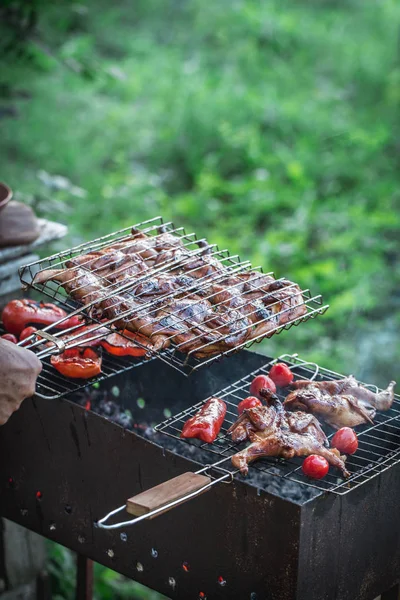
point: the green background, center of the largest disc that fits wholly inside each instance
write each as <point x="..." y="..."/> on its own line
<point x="270" y="127"/>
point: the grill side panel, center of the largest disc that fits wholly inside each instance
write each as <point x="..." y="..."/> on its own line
<point x="352" y="540"/>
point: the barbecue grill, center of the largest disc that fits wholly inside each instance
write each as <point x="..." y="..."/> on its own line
<point x="274" y="535"/>
<point x="266" y="536"/>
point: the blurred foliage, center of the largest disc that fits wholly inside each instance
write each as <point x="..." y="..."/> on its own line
<point x="271" y="128"/>
<point x="109" y="585"/>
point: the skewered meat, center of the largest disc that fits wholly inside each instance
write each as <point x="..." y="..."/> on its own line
<point x="338" y="410"/>
<point x="273" y="433"/>
<point x="381" y="401"/>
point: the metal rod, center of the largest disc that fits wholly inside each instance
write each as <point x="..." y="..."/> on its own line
<point x="84" y="578"/>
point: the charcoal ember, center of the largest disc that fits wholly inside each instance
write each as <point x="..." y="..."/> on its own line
<point x="124" y="419"/>
<point x="107" y="408"/>
<point x="267" y="482"/>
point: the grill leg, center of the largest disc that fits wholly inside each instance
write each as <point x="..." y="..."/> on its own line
<point x="84" y="578"/>
<point x="392" y="594"/>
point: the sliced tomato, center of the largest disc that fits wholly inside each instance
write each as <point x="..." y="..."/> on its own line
<point x="78" y="363"/>
<point x="120" y="346"/>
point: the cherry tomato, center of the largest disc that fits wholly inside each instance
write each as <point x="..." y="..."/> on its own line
<point x="281" y="375"/>
<point x="25" y="333"/>
<point x="10" y="337"/>
<point x="315" y="466"/>
<point x="250" y="402"/>
<point x="261" y="382"/>
<point x="345" y="440"/>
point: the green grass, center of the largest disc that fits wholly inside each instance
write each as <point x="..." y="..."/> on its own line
<point x="271" y="128"/>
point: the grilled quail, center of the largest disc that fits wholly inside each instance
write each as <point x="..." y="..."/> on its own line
<point x="340" y="403"/>
<point x="381" y="401"/>
<point x="273" y="432"/>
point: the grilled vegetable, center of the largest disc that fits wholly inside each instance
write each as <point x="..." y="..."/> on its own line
<point x="345" y="440"/>
<point x="27" y="332"/>
<point x="10" y="337"/>
<point x="281" y="375"/>
<point x="18" y="314"/>
<point x="261" y="382"/>
<point x="206" y="424"/>
<point x="78" y="363"/>
<point x="118" y="345"/>
<point x="249" y="402"/>
<point x="315" y="466"/>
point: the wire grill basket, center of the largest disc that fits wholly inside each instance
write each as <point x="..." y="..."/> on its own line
<point x="181" y="254"/>
<point x="378" y="450"/>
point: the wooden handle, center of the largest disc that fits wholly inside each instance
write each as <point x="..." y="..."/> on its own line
<point x="166" y="492"/>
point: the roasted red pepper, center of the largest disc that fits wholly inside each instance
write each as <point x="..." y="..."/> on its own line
<point x="120" y="346"/>
<point x="10" y="337"/>
<point x="250" y="402"/>
<point x="114" y="343"/>
<point x="78" y="363"/>
<point x="27" y="332"/>
<point x="206" y="424"/>
<point x="18" y="314"/>
<point x="86" y="332"/>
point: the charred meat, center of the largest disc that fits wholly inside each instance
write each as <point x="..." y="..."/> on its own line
<point x="273" y="432"/>
<point x="340" y="403"/>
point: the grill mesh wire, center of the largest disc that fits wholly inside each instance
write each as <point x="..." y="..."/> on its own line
<point x="378" y="450"/>
<point x="51" y="384"/>
<point x="185" y="363"/>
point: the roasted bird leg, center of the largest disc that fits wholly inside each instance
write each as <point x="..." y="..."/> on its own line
<point x="381" y="401"/>
<point x="285" y="444"/>
<point x="276" y="433"/>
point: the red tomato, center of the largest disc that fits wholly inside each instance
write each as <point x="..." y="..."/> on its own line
<point x="10" y="337"/>
<point x="281" y="375"/>
<point x="25" y="333"/>
<point x="78" y="363"/>
<point x="250" y="402"/>
<point x="315" y="466"/>
<point x="345" y="440"/>
<point x="261" y="382"/>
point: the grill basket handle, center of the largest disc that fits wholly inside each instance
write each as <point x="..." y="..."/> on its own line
<point x="165" y="493"/>
<point x="161" y="498"/>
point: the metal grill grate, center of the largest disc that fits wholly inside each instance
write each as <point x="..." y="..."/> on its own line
<point x="379" y="444"/>
<point x="283" y="306"/>
<point x="51" y="384"/>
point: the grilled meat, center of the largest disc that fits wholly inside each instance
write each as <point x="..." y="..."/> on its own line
<point x="275" y="433"/>
<point x="338" y="410"/>
<point x="350" y="386"/>
<point x="286" y="444"/>
<point x="202" y="317"/>
<point x="82" y="285"/>
<point x="130" y="315"/>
